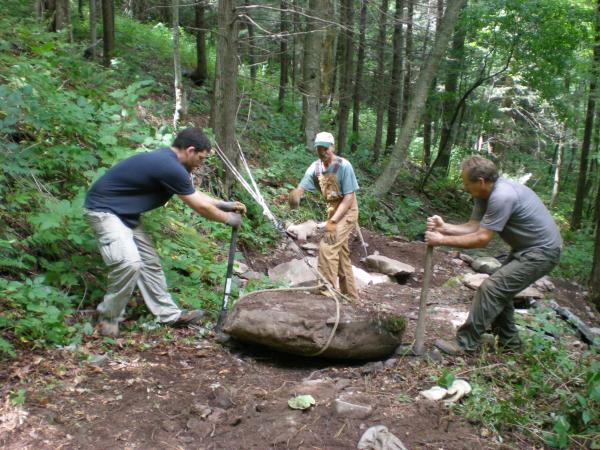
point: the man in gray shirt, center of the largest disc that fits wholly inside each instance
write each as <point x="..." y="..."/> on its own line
<point x="517" y="214"/>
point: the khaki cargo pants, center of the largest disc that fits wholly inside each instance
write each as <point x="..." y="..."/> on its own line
<point x="334" y="260"/>
<point x="493" y="302"/>
<point x="131" y="260"/>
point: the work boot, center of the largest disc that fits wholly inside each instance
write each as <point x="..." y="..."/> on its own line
<point x="449" y="347"/>
<point x="488" y="342"/>
<point x="188" y="318"/>
<point x="108" y="328"/>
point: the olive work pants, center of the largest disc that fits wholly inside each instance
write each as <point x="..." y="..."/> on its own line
<point x="492" y="304"/>
<point x="334" y="260"/>
<point x="131" y="260"/>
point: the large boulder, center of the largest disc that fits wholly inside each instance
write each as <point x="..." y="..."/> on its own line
<point x="301" y="323"/>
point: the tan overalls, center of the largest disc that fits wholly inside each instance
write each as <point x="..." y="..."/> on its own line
<point x="334" y="260"/>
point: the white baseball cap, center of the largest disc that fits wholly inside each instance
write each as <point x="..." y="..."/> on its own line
<point x="324" y="139"/>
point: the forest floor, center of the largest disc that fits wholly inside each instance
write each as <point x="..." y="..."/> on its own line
<point x="174" y="390"/>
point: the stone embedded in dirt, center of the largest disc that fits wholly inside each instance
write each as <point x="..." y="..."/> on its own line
<point x="169" y="426"/>
<point x="466" y="258"/>
<point x="391" y="362"/>
<point x="371" y="367"/>
<point x="199" y="426"/>
<point x="389" y="266"/>
<point x="98" y="360"/>
<point x="474" y="280"/>
<point x="304" y="230"/>
<point x="201" y="409"/>
<point x="301" y="323"/>
<point x="529" y="292"/>
<point x="486" y="264"/>
<point x="310" y="246"/>
<point x="379" y="438"/>
<point x="346" y="409"/>
<point x="296" y="272"/>
<point x="239" y="268"/>
<point x="364" y="279"/>
<point x="217" y="415"/>
<point x="544" y="284"/>
<point x="252" y="275"/>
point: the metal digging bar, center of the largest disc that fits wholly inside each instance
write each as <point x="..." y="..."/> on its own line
<point x="418" y="348"/>
<point x="228" y="278"/>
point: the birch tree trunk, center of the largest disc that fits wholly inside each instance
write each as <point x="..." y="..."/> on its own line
<point x="180" y="99"/>
<point x="380" y="79"/>
<point x="311" y="82"/>
<point x="559" y="160"/>
<point x="225" y="104"/>
<point x="385" y="181"/>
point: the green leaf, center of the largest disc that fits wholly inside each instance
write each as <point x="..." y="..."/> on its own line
<point x="301" y="402"/>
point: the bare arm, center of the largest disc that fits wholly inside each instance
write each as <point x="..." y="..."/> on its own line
<point x="436" y="223"/>
<point x="343" y="207"/>
<point x="205" y="206"/>
<point x="477" y="239"/>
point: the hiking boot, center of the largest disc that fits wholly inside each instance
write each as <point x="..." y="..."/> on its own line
<point x="488" y="342"/>
<point x="188" y="318"/>
<point x="449" y="347"/>
<point x="107" y="328"/>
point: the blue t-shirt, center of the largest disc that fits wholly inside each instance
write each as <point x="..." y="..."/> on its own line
<point x="345" y="176"/>
<point x="140" y="183"/>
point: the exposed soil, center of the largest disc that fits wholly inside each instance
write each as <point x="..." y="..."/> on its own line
<point x="194" y="393"/>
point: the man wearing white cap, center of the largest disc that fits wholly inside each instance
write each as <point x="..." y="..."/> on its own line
<point x="334" y="177"/>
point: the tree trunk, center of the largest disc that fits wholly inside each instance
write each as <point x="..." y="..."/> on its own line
<point x="589" y="124"/>
<point x="380" y="78"/>
<point x="558" y="167"/>
<point x="250" y="44"/>
<point x="455" y="62"/>
<point x="283" y="57"/>
<point x="180" y="98"/>
<point x="93" y="28"/>
<point x="360" y="62"/>
<point x="225" y="104"/>
<point x="595" y="275"/>
<point x="396" y="76"/>
<point x="108" y="31"/>
<point x="80" y="9"/>
<point x="423" y="84"/>
<point x="407" y="59"/>
<point x="328" y="55"/>
<point x="432" y="101"/>
<point x="311" y="83"/>
<point x="295" y="45"/>
<point x="200" y="75"/>
<point x="345" y="92"/>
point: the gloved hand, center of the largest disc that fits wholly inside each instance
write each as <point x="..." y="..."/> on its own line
<point x="330" y="236"/>
<point x="294" y="198"/>
<point x="234" y="220"/>
<point x="237" y="207"/>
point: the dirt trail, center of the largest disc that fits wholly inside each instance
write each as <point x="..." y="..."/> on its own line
<point x="193" y="393"/>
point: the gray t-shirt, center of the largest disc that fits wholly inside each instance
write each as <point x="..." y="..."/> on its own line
<point x="518" y="215"/>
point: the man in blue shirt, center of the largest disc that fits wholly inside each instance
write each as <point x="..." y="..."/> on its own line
<point x="334" y="177"/>
<point x="517" y="214"/>
<point x="113" y="208"/>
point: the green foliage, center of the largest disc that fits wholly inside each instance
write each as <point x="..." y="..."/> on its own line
<point x="543" y="391"/>
<point x="446" y="379"/>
